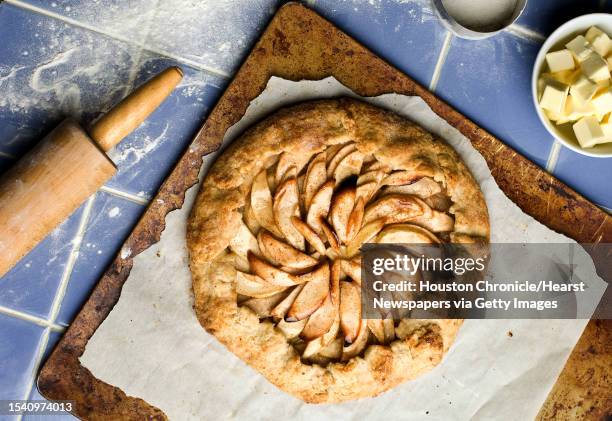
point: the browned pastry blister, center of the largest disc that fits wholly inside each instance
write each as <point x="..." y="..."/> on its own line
<point x="274" y="241"/>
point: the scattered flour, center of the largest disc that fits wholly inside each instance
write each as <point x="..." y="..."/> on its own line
<point x="114" y="212"/>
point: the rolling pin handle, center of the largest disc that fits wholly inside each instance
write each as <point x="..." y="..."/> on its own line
<point x="126" y="116"/>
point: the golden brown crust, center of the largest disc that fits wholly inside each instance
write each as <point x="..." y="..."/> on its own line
<point x="304" y="130"/>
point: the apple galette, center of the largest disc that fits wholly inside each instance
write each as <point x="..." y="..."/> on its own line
<point x="274" y="240"/>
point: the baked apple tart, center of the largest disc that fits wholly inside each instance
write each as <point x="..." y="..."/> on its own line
<point x="275" y="234"/>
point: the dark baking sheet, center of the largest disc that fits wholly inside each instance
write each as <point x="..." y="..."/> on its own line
<point x="297" y="44"/>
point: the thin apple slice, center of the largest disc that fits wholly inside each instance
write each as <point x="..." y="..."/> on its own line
<point x="288" y="160"/>
<point x="309" y="234"/>
<point x="342" y="205"/>
<point x="398" y="178"/>
<point x="331" y="151"/>
<point x="283" y="307"/>
<point x="320" y="321"/>
<point x="395" y="208"/>
<point x="377" y="327"/>
<point x="319" y="206"/>
<point x="350" y="310"/>
<point x="365" y="234"/>
<point x="249" y="217"/>
<point x="291" y="172"/>
<point x="335" y="159"/>
<point x="389" y="329"/>
<point x="358" y="345"/>
<point x="283" y="253"/>
<point x="261" y="203"/>
<point x="406" y="234"/>
<point x="241" y="263"/>
<point x="366" y="190"/>
<point x="316" y="345"/>
<point x="349" y="166"/>
<point x="263" y="306"/>
<point x="310" y="298"/>
<point x="316" y="176"/>
<point x="286" y="205"/>
<point x="284" y="163"/>
<point x="355" y="219"/>
<point x="352" y="269"/>
<point x="333" y="350"/>
<point x="439" y="202"/>
<point x="376" y="165"/>
<point x="330" y="235"/>
<point x="253" y="286"/>
<point x="318" y="274"/>
<point x="291" y="330"/>
<point x="269" y="273"/>
<point x="423" y="188"/>
<point x="244" y="241"/>
<point x="371" y="176"/>
<point x="438" y="222"/>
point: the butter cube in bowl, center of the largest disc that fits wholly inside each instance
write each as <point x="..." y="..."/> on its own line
<point x="572" y="85"/>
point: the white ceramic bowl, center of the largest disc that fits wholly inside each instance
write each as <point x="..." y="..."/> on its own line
<point x="556" y="41"/>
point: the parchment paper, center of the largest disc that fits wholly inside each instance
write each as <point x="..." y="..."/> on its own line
<point x="152" y="346"/>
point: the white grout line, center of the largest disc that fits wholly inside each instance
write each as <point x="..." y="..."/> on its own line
<point x="553" y="157"/>
<point x="441" y="59"/>
<point x="125" y="195"/>
<point x="30" y="318"/>
<point x="74" y="254"/>
<point x="194" y="64"/>
<point x="37" y="362"/>
<point x="57" y="301"/>
<point x="134" y="70"/>
<point x="526" y="33"/>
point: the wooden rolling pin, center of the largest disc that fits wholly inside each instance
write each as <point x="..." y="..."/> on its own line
<point x="66" y="167"/>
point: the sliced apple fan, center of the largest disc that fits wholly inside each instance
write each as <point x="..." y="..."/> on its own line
<point x="303" y="226"/>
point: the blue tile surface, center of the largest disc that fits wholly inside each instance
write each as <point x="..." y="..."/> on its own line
<point x="545" y="16"/>
<point x="19" y="342"/>
<point x="110" y="222"/>
<point x="406" y="33"/>
<point x="32" y="284"/>
<point x="50" y="70"/>
<point x="147" y="155"/>
<point x="590" y="176"/>
<point x="489" y="81"/>
<point x="215" y="34"/>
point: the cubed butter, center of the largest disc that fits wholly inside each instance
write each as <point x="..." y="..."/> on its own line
<point x="580" y="48"/>
<point x="602" y="44"/>
<point x="588" y="131"/>
<point x="554" y="94"/>
<point x="560" y="60"/>
<point x="595" y="68"/>
<point x="607" y="131"/>
<point x="592" y="33"/>
<point x="583" y="89"/>
<point x="566" y="76"/>
<point x="573" y="110"/>
<point x="603" y="102"/>
<point x="600" y="41"/>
